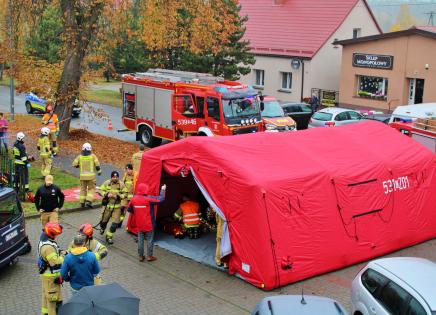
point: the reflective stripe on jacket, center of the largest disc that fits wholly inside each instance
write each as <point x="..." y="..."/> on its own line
<point x="128" y="182"/>
<point x="52" y="122"/>
<point x="20" y="154"/>
<point x="190" y="213"/>
<point x="49" y="251"/>
<point x="87" y="165"/>
<point x="44" y="146"/>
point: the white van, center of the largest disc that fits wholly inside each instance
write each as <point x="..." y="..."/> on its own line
<point x="424" y="110"/>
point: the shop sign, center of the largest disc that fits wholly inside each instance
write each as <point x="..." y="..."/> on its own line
<point x="373" y="61"/>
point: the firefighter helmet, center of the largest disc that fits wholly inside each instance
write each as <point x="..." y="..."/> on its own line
<point x="52" y="229"/>
<point x="45" y="131"/>
<point x="86" y="229"/>
<point x="86" y="147"/>
<point x="20" y="136"/>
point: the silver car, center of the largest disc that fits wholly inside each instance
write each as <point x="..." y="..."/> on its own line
<point x="395" y="286"/>
<point x="334" y="116"/>
<point x="298" y="305"/>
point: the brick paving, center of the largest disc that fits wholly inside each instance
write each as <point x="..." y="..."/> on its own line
<point x="171" y="285"/>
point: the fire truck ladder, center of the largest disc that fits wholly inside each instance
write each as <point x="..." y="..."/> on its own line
<point x="178" y="76"/>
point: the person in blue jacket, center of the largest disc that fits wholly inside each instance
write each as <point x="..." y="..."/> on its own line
<point x="80" y="265"/>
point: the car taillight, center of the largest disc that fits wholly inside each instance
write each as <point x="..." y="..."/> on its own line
<point x="330" y="123"/>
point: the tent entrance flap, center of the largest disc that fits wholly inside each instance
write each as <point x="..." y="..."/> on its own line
<point x="202" y="249"/>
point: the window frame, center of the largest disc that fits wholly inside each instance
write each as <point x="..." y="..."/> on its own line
<point x="366" y="94"/>
<point x="192" y="104"/>
<point x="219" y="108"/>
<point x="261" y="82"/>
<point x="288" y="76"/>
<point x="357" y="32"/>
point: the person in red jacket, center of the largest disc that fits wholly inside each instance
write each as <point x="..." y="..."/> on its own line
<point x="144" y="208"/>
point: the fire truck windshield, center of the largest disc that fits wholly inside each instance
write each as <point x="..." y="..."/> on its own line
<point x="240" y="107"/>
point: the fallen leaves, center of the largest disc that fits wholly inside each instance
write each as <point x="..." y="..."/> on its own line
<point x="107" y="149"/>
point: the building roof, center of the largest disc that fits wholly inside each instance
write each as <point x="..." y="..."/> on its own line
<point x="410" y="31"/>
<point x="294" y="27"/>
<point x="427" y="28"/>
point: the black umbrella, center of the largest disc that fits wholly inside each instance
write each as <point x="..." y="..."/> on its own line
<point x="109" y="299"/>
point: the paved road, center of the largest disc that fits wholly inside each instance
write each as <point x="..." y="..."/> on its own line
<point x="87" y="119"/>
<point x="172" y="284"/>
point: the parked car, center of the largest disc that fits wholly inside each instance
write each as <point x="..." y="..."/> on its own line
<point x="13" y="237"/>
<point x="384" y="118"/>
<point x="274" y="118"/>
<point x="298" y="305"/>
<point x="35" y="104"/>
<point x="336" y="116"/>
<point x="299" y="112"/>
<point x="395" y="286"/>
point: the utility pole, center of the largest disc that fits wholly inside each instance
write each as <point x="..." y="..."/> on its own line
<point x="11" y="47"/>
<point x="430" y="18"/>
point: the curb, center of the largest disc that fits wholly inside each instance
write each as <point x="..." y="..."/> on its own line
<point x="36" y="215"/>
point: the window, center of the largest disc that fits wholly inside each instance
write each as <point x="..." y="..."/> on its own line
<point x="393" y="297"/>
<point x="322" y="116"/>
<point x="342" y="116"/>
<point x="184" y="105"/>
<point x="10" y="210"/>
<point x="213" y="108"/>
<point x="357" y="32"/>
<point x="286" y="80"/>
<point x="200" y="105"/>
<point x="373" y="281"/>
<point x="372" y="87"/>
<point x="260" y="77"/>
<point x="415" y="308"/>
<point x="354" y="115"/>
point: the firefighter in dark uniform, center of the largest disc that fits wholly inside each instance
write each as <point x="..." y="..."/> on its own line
<point x="21" y="162"/>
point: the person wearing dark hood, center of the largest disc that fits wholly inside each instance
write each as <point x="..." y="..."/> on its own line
<point x="49" y="198"/>
<point x="80" y="266"/>
<point x="88" y="164"/>
<point x="144" y="208"/>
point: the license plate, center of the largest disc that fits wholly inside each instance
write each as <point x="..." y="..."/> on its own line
<point x="11" y="235"/>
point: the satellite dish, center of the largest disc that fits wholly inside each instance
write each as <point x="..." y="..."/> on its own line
<point x="295" y="63"/>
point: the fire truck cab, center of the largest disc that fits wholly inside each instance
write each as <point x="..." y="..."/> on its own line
<point x="168" y="104"/>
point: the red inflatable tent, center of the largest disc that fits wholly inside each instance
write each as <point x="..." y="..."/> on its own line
<point x="305" y="203"/>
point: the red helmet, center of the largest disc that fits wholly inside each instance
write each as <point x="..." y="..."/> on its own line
<point x="86" y="229"/>
<point x="52" y="229"/>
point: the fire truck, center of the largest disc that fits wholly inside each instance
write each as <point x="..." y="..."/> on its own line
<point x="422" y="130"/>
<point x="168" y="104"/>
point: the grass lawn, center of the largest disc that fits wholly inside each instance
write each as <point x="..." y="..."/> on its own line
<point x="62" y="179"/>
<point x="107" y="97"/>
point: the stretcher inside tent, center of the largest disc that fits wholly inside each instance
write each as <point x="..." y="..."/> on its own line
<point x="73" y="194"/>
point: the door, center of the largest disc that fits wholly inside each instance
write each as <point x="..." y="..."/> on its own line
<point x="419" y="91"/>
<point x="213" y="115"/>
<point x="412" y="83"/>
<point x="185" y="114"/>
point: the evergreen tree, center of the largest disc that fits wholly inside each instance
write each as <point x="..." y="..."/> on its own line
<point x="46" y="41"/>
<point x="233" y="58"/>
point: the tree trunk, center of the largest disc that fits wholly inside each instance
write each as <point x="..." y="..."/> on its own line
<point x="80" y="23"/>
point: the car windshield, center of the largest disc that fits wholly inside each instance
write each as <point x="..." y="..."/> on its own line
<point x="322" y="116"/>
<point x="272" y="109"/>
<point x="240" y="107"/>
<point x="306" y="109"/>
<point x="9" y="210"/>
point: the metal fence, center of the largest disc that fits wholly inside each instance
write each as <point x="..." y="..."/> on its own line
<point x="6" y="168"/>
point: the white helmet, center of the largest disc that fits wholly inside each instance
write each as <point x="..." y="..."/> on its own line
<point x="86" y="147"/>
<point x="20" y="136"/>
<point x="45" y="131"/>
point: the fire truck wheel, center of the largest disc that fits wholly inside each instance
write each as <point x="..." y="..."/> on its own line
<point x="146" y="137"/>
